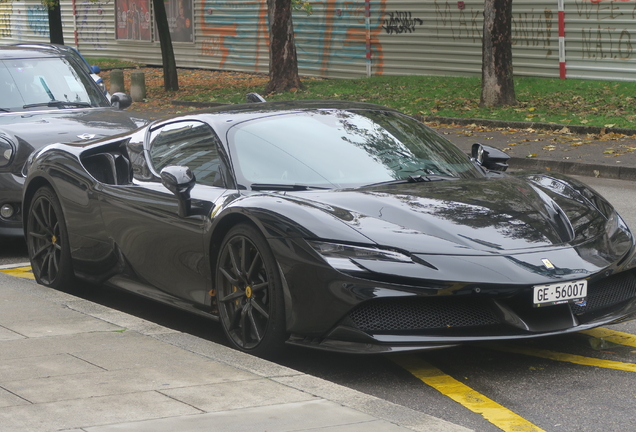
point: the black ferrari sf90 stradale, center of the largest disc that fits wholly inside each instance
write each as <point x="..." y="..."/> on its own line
<point x="339" y="226"/>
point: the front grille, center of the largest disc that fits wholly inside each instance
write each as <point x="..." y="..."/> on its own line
<point x="608" y="292"/>
<point x="423" y="313"/>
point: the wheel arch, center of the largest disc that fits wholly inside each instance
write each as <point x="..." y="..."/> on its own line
<point x="221" y="228"/>
<point x="34" y="185"/>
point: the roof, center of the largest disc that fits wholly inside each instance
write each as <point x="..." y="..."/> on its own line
<point x="14" y="52"/>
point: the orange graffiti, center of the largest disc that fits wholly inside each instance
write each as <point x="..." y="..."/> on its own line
<point x="222" y="32"/>
<point x="330" y="12"/>
<point x="262" y="32"/>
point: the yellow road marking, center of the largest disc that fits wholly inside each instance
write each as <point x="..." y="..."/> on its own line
<point x="613" y="336"/>
<point x="496" y="414"/>
<point x="570" y="358"/>
<point x="23" y="272"/>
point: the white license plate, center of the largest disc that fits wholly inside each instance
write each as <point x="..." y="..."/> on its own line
<point x="558" y="293"/>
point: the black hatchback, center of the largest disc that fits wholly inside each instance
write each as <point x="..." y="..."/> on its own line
<point x="47" y="98"/>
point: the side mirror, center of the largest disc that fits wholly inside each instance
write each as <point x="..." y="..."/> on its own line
<point x="96" y="69"/>
<point x="254" y="98"/>
<point x="120" y="100"/>
<point x="179" y="180"/>
<point x="489" y="157"/>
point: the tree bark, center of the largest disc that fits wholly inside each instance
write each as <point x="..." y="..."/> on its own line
<point x="283" y="63"/>
<point x="170" y="78"/>
<point x="497" y="84"/>
<point x="56" y="35"/>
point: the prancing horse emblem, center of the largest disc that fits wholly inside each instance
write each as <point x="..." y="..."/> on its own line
<point x="546" y="262"/>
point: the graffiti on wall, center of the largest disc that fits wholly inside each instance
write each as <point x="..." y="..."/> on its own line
<point x="38" y="20"/>
<point x="91" y="24"/>
<point x="236" y="31"/>
<point x="605" y="37"/>
<point x="335" y="36"/>
<point x="6" y="8"/>
<point x="534" y="29"/>
<point x="400" y="22"/>
<point x="529" y="29"/>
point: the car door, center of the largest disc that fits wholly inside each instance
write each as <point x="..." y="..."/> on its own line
<point x="166" y="251"/>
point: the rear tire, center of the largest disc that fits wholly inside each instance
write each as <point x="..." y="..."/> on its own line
<point x="47" y="241"/>
<point x="249" y="293"/>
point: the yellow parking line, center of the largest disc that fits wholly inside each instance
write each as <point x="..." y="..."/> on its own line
<point x="570" y="358"/>
<point x="496" y="414"/>
<point x="613" y="336"/>
<point x="23" y="272"/>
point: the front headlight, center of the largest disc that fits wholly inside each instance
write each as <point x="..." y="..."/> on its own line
<point x="340" y="255"/>
<point x="6" y="152"/>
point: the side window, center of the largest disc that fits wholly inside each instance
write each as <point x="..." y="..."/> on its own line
<point x="188" y="143"/>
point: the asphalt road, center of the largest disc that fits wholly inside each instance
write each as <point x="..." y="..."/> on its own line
<point x="578" y="382"/>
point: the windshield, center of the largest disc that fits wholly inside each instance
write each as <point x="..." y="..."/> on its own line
<point x="337" y="148"/>
<point x="45" y="83"/>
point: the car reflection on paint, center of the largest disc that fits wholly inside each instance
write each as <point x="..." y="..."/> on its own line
<point x="331" y="225"/>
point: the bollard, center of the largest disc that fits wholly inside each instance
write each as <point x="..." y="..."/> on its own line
<point x="117" y="81"/>
<point x="137" y="86"/>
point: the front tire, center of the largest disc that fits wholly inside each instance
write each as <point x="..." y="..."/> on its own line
<point x="47" y="241"/>
<point x="249" y="293"/>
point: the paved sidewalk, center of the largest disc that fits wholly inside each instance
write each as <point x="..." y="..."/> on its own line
<point x="67" y="364"/>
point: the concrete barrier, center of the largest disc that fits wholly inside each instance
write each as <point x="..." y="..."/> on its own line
<point x="117" y="81"/>
<point x="138" y="86"/>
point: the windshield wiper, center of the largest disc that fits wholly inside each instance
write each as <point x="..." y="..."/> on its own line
<point x="415" y="179"/>
<point x="57" y="103"/>
<point x="282" y="187"/>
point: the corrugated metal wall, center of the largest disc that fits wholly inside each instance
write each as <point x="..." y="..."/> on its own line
<point x="424" y="37"/>
<point x="332" y="41"/>
<point x="600" y="39"/>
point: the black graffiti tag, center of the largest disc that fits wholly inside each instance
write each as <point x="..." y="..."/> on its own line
<point x="400" y="22"/>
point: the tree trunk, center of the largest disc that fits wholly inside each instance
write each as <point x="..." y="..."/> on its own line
<point x="56" y="35"/>
<point x="170" y="78"/>
<point x="283" y="63"/>
<point x="497" y="84"/>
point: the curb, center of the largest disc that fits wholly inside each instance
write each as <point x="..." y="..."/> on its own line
<point x="579" y="129"/>
<point x="574" y="168"/>
<point x="198" y="104"/>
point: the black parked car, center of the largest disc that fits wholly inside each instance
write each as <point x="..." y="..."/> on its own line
<point x="332" y="225"/>
<point x="47" y="98"/>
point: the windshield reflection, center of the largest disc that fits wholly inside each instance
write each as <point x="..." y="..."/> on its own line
<point x="45" y="83"/>
<point x="338" y="148"/>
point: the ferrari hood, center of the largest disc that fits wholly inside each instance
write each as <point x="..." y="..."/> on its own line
<point x="40" y="128"/>
<point x="474" y="217"/>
